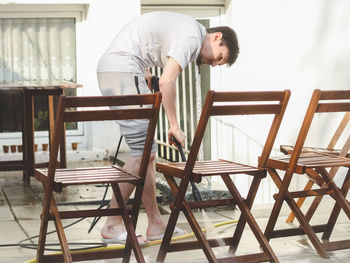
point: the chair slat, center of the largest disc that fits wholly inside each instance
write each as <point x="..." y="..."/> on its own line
<point x="98" y="115"/>
<point x="333" y="107"/>
<point x="312" y="159"/>
<point x="93" y="175"/>
<point x="249" y="96"/>
<point x="245" y="109"/>
<point x="96" y="101"/>
<point x="335" y="94"/>
<point x="219" y="167"/>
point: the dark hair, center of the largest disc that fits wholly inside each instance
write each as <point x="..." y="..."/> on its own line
<point x="229" y="39"/>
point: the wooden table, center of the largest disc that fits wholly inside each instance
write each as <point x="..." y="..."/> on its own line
<point x="29" y="90"/>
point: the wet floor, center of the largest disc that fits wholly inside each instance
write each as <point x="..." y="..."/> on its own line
<point x="20" y="208"/>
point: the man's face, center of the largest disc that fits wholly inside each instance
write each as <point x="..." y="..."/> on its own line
<point x="212" y="53"/>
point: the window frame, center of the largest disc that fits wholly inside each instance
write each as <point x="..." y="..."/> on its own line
<point x="76" y="11"/>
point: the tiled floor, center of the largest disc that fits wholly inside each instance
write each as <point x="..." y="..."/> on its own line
<point x="20" y="207"/>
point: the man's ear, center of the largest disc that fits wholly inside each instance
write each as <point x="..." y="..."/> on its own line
<point x="218" y="35"/>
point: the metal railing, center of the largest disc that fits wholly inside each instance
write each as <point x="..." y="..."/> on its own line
<point x="188" y="110"/>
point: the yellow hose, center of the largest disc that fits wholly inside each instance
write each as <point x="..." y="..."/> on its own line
<point x="151" y="243"/>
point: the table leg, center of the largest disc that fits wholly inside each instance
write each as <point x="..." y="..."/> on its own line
<point x="24" y="148"/>
<point x="51" y="121"/>
<point x="29" y="136"/>
<point x="63" y="160"/>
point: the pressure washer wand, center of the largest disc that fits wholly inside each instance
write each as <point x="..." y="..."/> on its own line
<point x="195" y="192"/>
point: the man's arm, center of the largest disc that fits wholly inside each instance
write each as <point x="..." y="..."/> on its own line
<point x="167" y="85"/>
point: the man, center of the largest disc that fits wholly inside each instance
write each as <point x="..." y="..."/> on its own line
<point x="170" y="41"/>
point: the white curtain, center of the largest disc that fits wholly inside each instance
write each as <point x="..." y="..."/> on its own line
<point x="36" y="49"/>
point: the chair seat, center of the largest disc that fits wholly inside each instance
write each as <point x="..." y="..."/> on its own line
<point x="308" y="160"/>
<point x="288" y="149"/>
<point x="210" y="168"/>
<point x="93" y="175"/>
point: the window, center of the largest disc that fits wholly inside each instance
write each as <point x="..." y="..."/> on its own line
<point x="34" y="49"/>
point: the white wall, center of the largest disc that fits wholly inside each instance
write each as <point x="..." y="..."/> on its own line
<point x="103" y="21"/>
<point x="296" y="45"/>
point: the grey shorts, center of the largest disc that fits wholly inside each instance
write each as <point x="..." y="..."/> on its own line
<point x="120" y="83"/>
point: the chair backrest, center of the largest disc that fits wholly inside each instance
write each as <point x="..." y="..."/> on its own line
<point x="241" y="103"/>
<point x="122" y="108"/>
<point x="325" y="101"/>
<point x="344" y="122"/>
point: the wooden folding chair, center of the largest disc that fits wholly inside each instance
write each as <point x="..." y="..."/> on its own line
<point x="55" y="179"/>
<point x="343" y="152"/>
<point x="216" y="104"/>
<point x="314" y="164"/>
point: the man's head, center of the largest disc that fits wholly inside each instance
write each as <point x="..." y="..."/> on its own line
<point x="220" y="46"/>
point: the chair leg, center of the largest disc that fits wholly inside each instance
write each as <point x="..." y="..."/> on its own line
<point x="60" y="232"/>
<point x="296" y="211"/>
<point x="128" y="224"/>
<point x="179" y="197"/>
<point x="242" y="222"/>
<point x="300" y="202"/>
<point x="245" y="210"/>
<point x="307" y="228"/>
<point x="48" y="205"/>
<point x="319" y="181"/>
<point x="171" y="222"/>
<point x="202" y="240"/>
<point x="135" y="208"/>
<point x="43" y="228"/>
<point x="276" y="207"/>
<point x="168" y="234"/>
<point x="338" y="195"/>
<point x="317" y="200"/>
<point x="336" y="210"/>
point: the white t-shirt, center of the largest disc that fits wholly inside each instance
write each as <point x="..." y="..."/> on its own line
<point x="150" y="39"/>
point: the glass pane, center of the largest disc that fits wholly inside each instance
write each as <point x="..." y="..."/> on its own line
<point x="34" y="49"/>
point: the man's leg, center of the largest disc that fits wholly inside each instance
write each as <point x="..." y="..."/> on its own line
<point x="156" y="225"/>
<point x="114" y="225"/>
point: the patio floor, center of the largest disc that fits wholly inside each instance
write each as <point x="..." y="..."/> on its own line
<point x="20" y="208"/>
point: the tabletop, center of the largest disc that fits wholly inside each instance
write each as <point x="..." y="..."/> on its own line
<point x="37" y="85"/>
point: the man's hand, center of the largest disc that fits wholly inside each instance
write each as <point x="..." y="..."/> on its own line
<point x="178" y="134"/>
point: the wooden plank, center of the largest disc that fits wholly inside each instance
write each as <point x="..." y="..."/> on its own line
<point x="89" y="213"/>
<point x="100" y="115"/>
<point x="96" y="101"/>
<point x="249" y="96"/>
<point x="11" y="165"/>
<point x="222" y="110"/>
<point x="333" y="107"/>
<point x="258" y="257"/>
<point x="335" y="94"/>
<point x="306" y="193"/>
<point x="211" y="203"/>
<point x="87" y="255"/>
<point x="296" y="231"/>
<point x="337" y="245"/>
